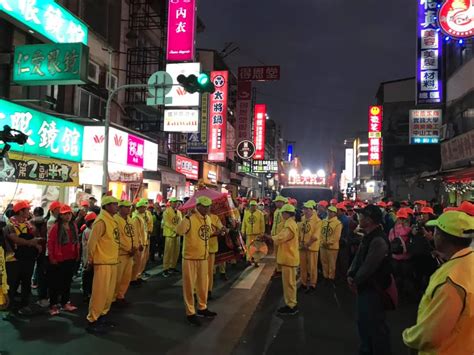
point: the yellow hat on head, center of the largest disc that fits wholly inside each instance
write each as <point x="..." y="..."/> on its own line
<point x="124" y="203"/>
<point x="310" y="204"/>
<point x="204" y="201"/>
<point x="456" y="223"/>
<point x="173" y="199"/>
<point x="142" y="203"/>
<point x="107" y="200"/>
<point x="288" y="208"/>
<point x="280" y="198"/>
<point x="332" y="209"/>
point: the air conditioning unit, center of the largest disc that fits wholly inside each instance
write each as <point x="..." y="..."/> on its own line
<point x="111" y="82"/>
<point x="93" y="72"/>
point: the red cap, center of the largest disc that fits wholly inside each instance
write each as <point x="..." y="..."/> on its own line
<point x="85" y="203"/>
<point x="90" y="216"/>
<point x="466" y="207"/>
<point x="402" y="213"/>
<point x="323" y="203"/>
<point x="333" y="201"/>
<point x="389" y="203"/>
<point x="408" y="210"/>
<point x="421" y="202"/>
<point x="381" y="204"/>
<point x="21" y="205"/>
<point x="406" y="203"/>
<point x="65" y="209"/>
<point x="341" y="206"/>
<point x="428" y="210"/>
<point x="54" y="205"/>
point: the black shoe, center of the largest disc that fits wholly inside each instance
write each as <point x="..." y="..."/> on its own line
<point x="288" y="311"/>
<point x="96" y="328"/>
<point x="206" y="313"/>
<point x="166" y="274"/>
<point x="106" y="323"/>
<point x="194" y="320"/>
<point x="141" y="281"/>
<point x="224" y="277"/>
<point x="135" y="283"/>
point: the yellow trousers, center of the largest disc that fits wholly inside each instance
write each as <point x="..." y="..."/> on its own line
<point x="145" y="257"/>
<point x="250" y="239"/>
<point x="288" y="277"/>
<point x="137" y="265"/>
<point x="309" y="267"/>
<point x="103" y="289"/>
<point x="124" y="275"/>
<point x="195" y="278"/>
<point x="211" y="260"/>
<point x="328" y="262"/>
<point x="278" y="269"/>
<point x="171" y="254"/>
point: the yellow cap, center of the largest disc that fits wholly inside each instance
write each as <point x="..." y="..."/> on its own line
<point x="173" y="199"/>
<point x="310" y="204"/>
<point x="455" y="223"/>
<point x="288" y="208"/>
<point x="142" y="203"/>
<point x="253" y="203"/>
<point x="106" y="200"/>
<point x="124" y="203"/>
<point x="204" y="201"/>
<point x="332" y="209"/>
<point x="280" y="198"/>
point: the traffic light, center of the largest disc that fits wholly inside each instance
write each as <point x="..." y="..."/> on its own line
<point x="192" y="83"/>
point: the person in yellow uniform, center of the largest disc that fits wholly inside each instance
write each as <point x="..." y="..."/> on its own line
<point x="148" y="219"/>
<point x="128" y="248"/>
<point x="103" y="256"/>
<point x="4" y="300"/>
<point x="310" y="238"/>
<point x="289" y="258"/>
<point x="445" y="321"/>
<point x="138" y="219"/>
<point x="253" y="227"/>
<point x="277" y="225"/>
<point x="171" y="219"/>
<point x="331" y="230"/>
<point x="196" y="228"/>
<point x="217" y="230"/>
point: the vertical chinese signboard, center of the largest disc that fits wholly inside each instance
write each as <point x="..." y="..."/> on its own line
<point x="197" y="142"/>
<point x="181" y="30"/>
<point x="375" y="135"/>
<point x="217" y="142"/>
<point x="425" y="126"/>
<point x="429" y="54"/>
<point x="244" y="110"/>
<point x="259" y="131"/>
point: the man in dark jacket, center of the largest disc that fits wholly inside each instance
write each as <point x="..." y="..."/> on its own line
<point x="370" y="273"/>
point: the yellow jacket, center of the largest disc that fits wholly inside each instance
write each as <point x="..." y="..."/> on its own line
<point x="310" y="229"/>
<point x="104" y="240"/>
<point x="3" y="278"/>
<point x="149" y="222"/>
<point x="171" y="220"/>
<point x="127" y="234"/>
<point x="197" y="231"/>
<point x="288" y="244"/>
<point x="445" y="321"/>
<point x="253" y="223"/>
<point x="216" y="226"/>
<point x="331" y="230"/>
<point x="278" y="222"/>
<point x="140" y="228"/>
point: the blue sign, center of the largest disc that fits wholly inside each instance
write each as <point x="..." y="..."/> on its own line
<point x="290" y="152"/>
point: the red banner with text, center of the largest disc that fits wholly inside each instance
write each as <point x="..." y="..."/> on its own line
<point x="259" y="131"/>
<point x="218" y="117"/>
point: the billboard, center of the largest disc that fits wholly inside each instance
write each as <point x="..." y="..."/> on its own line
<point x="197" y="142"/>
<point x="265" y="166"/>
<point x="181" y="30"/>
<point x="259" y="73"/>
<point x="184" y="121"/>
<point x="217" y="143"/>
<point x="456" y="18"/>
<point x="425" y="126"/>
<point x="259" y="123"/>
<point x="180" y="97"/>
<point x="186" y="166"/>
<point x="375" y="135"/>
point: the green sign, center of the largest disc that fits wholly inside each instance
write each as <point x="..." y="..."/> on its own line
<point x="47" y="18"/>
<point x="51" y="64"/>
<point x="48" y="135"/>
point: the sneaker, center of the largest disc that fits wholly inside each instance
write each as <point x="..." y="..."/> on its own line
<point x="95" y="328"/>
<point x="206" y="313"/>
<point x="69" y="307"/>
<point x="54" y="311"/>
<point x="43" y="303"/>
<point x="194" y="321"/>
<point x="288" y="311"/>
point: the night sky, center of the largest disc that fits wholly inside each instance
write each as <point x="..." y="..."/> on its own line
<point x="333" y="55"/>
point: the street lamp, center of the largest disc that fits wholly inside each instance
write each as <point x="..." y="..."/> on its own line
<point x="321" y="173"/>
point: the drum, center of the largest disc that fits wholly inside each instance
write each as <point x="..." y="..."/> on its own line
<point x="258" y="249"/>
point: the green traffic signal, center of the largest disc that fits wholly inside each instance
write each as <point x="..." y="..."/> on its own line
<point x="203" y="79"/>
<point x="193" y="83"/>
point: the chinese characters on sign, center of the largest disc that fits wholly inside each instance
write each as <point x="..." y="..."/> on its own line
<point x="136" y="151"/>
<point x="47" y="18"/>
<point x="458" y="151"/>
<point x="375" y="135"/>
<point x="259" y="123"/>
<point x="425" y="126"/>
<point x="181" y="30"/>
<point x="261" y="73"/>
<point x="217" y="143"/>
<point x="197" y="142"/>
<point x="429" y="54"/>
<point x="310" y="179"/>
<point x="51" y="64"/>
<point x="244" y="110"/>
<point x="186" y="166"/>
<point x="48" y="135"/>
<point x="456" y="18"/>
<point x="184" y="121"/>
<point x="265" y="166"/>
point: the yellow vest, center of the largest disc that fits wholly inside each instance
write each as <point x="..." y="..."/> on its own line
<point x="171" y="220"/>
<point x="253" y="223"/>
<point x="140" y="228"/>
<point x="127" y="234"/>
<point x="460" y="269"/>
<point x="214" y="241"/>
<point x="104" y="240"/>
<point x="278" y="222"/>
<point x="197" y="231"/>
<point x="331" y="230"/>
<point x="288" y="252"/>
<point x="311" y="228"/>
<point x="149" y="222"/>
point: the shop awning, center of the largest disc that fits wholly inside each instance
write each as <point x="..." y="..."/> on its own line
<point x="455" y="175"/>
<point x="170" y="177"/>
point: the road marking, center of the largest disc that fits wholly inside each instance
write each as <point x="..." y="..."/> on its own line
<point x="248" y="277"/>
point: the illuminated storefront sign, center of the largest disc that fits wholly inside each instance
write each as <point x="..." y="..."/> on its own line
<point x="184" y="121"/>
<point x="217" y="144"/>
<point x="181" y="30"/>
<point x="51" y="64"/>
<point x="265" y="166"/>
<point x="47" y="18"/>
<point x="197" y="142"/>
<point x="259" y="123"/>
<point x="260" y="73"/>
<point x="306" y="179"/>
<point x="456" y="18"/>
<point x="48" y="135"/>
<point x="375" y="135"/>
<point x="429" y="54"/>
<point x="178" y="95"/>
<point x="186" y="166"/>
<point x="425" y="126"/>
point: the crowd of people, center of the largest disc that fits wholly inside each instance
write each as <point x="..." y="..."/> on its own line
<point x="382" y="250"/>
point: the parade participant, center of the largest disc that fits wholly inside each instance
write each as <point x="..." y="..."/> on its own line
<point x="81" y="214"/>
<point x="196" y="228"/>
<point x="103" y="251"/>
<point x="63" y="254"/>
<point x="369" y="274"/>
<point x="4" y="300"/>
<point x="333" y="202"/>
<point x="127" y="249"/>
<point x="322" y="209"/>
<point x="277" y="226"/>
<point x="141" y="230"/>
<point x="53" y="214"/>
<point x="310" y="238"/>
<point x="87" y="270"/>
<point x="253" y="226"/>
<point x="289" y="259"/>
<point x="156" y="236"/>
<point x="171" y="219"/>
<point x="342" y="264"/>
<point x="218" y="229"/>
<point x="148" y="219"/>
<point x="445" y="321"/>
<point x="40" y="279"/>
<point x="331" y="230"/>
